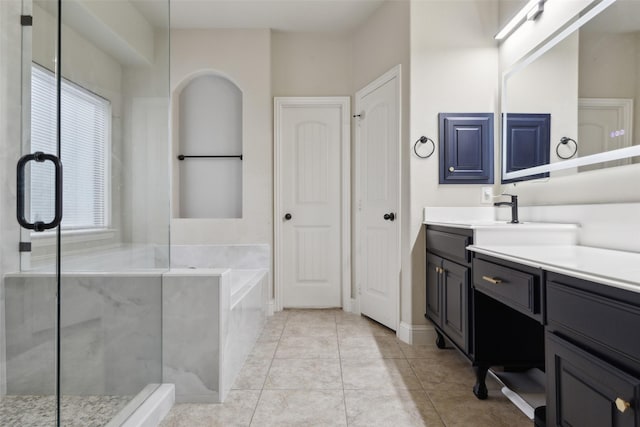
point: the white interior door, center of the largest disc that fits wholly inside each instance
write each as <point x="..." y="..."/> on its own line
<point x="378" y="198"/>
<point x="312" y="136"/>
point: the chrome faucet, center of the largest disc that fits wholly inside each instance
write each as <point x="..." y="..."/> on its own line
<point x="514" y="207"/>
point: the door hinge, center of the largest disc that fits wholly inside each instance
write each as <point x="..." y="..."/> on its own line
<point x="26" y="20"/>
<point x="24" y="247"/>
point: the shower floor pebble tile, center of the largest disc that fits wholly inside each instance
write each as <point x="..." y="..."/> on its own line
<point x="75" y="411"/>
<point x="354" y="373"/>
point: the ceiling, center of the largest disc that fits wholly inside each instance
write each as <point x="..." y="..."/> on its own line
<point x="282" y="15"/>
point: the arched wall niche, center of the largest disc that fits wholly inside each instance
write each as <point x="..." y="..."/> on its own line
<point x="207" y="118"/>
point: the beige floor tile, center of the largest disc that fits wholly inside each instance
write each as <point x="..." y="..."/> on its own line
<point x="369" y="347"/>
<point x="319" y="374"/>
<point x="398" y="408"/>
<point x="310" y="330"/>
<point x="458" y="407"/>
<point x="378" y="374"/>
<point x="300" y="408"/>
<point x="364" y="328"/>
<point x="411" y="351"/>
<point x="443" y="370"/>
<point x="294" y="347"/>
<point x="270" y="335"/>
<point x="347" y="317"/>
<point x="278" y="316"/>
<point x="237" y="410"/>
<point x="320" y="318"/>
<point x="264" y="350"/>
<point x="252" y="375"/>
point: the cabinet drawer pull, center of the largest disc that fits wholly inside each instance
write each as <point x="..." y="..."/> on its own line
<point x="491" y="280"/>
<point x="622" y="405"/>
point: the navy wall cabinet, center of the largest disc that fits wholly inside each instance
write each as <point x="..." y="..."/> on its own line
<point x="528" y="143"/>
<point x="466" y="148"/>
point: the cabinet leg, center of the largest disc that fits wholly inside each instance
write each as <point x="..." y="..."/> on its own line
<point x="440" y="343"/>
<point x="480" y="388"/>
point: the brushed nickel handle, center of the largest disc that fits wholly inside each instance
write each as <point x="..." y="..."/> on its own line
<point x="622" y="404"/>
<point x="493" y="280"/>
<point x="452" y="169"/>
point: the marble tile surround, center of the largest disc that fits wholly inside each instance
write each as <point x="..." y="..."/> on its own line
<point x="411" y="385"/>
<point x="255" y="256"/>
<point x="205" y="339"/>
<point x="101" y="316"/>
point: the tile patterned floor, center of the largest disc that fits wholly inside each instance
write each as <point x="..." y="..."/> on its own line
<point x="75" y="411"/>
<point x="331" y="368"/>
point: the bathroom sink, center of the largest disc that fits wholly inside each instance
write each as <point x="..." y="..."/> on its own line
<point x="489" y="231"/>
<point x="527" y="233"/>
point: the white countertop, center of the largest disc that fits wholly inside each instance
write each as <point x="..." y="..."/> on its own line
<point x="614" y="268"/>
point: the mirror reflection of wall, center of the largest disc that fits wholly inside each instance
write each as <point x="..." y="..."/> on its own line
<point x="589" y="83"/>
<point x="609" y="82"/>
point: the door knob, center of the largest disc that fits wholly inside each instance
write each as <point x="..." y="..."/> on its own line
<point x="390" y="216"/>
<point x="287" y="217"/>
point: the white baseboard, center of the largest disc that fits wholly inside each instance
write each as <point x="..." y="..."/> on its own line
<point x="353" y="306"/>
<point x="271" y="307"/>
<point x="416" y="334"/>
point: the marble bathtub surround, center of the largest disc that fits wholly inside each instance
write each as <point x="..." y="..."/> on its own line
<point x="221" y="256"/>
<point x="371" y="379"/>
<point x="210" y="326"/>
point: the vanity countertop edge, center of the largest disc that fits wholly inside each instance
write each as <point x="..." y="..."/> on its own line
<point x="609" y="267"/>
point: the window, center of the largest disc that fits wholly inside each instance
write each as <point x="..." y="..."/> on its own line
<point x="85" y="145"/>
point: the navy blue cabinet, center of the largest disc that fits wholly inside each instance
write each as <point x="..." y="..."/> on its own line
<point x="466" y="148"/>
<point x="528" y="143"/>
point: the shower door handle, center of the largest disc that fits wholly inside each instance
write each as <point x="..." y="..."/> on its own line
<point x="39" y="157"/>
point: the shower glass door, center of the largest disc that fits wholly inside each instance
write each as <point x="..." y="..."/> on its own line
<point x="96" y="97"/>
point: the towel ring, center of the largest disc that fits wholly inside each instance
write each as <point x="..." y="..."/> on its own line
<point x="424" y="140"/>
<point x="564" y="141"/>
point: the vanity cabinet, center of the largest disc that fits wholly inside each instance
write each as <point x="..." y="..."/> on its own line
<point x="592" y="354"/>
<point x="448" y="284"/>
<point x="495" y="322"/>
<point x="508" y="328"/>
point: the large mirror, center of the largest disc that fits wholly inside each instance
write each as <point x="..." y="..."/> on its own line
<point x="571" y="105"/>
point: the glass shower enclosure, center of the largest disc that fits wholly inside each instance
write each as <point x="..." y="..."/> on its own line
<point x="82" y="314"/>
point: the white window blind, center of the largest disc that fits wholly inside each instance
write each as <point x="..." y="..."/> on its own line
<point x="85" y="143"/>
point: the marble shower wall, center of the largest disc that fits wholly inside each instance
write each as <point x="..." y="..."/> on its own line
<point x="110" y="332"/>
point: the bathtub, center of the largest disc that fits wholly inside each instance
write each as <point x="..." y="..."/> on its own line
<point x="211" y="320"/>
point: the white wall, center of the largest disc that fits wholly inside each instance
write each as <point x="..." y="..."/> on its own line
<point x="454" y="68"/>
<point x="145" y="189"/>
<point x="244" y="57"/>
<point x="599" y="186"/>
<point x="381" y="43"/>
<point x="311" y="64"/>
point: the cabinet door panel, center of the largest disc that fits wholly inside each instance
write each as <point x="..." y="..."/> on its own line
<point x="434" y="311"/>
<point x="466" y="148"/>
<point x="455" y="291"/>
<point x="528" y="143"/>
<point x="582" y="389"/>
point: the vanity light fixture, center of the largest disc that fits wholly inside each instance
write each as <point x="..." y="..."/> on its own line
<point x="530" y="12"/>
